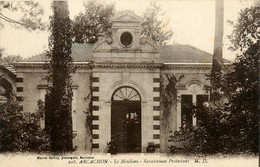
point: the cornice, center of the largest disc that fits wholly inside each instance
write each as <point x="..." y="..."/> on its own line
<point x="187" y="66"/>
<point x="124" y="50"/>
<point x="128" y="65"/>
<point x="45" y="64"/>
<point x="88" y="65"/>
<point x="190" y="65"/>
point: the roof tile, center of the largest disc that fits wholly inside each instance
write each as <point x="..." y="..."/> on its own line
<point x="168" y="54"/>
<point x="80" y="53"/>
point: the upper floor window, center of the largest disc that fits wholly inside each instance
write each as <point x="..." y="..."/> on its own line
<point x="126" y="39"/>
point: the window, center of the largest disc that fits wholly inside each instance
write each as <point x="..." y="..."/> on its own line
<point x="186" y="110"/>
<point x="126" y="39"/>
<point x="201" y="99"/>
<point x="187" y="117"/>
<point x="126" y="93"/>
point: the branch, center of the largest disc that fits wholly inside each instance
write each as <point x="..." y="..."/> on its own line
<point x="11" y="20"/>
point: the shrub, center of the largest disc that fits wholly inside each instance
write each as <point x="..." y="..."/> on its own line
<point x="21" y="132"/>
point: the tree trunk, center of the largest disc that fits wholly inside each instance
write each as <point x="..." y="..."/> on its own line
<point x="218" y="43"/>
<point x="168" y="108"/>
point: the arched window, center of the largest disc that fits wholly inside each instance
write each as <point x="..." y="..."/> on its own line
<point x="126" y="93"/>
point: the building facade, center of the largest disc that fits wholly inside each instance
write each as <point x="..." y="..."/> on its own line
<point x="121" y="77"/>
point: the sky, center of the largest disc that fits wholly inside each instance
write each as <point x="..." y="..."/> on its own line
<point x="192" y="21"/>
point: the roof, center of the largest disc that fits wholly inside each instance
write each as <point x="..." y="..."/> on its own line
<point x="80" y="53"/>
<point x="183" y="54"/>
<point x="9" y="69"/>
<point x="168" y="54"/>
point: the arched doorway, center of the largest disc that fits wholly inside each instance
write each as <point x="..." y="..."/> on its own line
<point x="126" y="119"/>
<point x="6" y="88"/>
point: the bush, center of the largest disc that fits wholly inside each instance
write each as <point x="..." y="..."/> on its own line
<point x="230" y="124"/>
<point x="21" y="132"/>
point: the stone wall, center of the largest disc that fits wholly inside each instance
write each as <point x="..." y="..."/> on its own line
<point x="111" y="79"/>
<point x="33" y="88"/>
<point x="189" y="81"/>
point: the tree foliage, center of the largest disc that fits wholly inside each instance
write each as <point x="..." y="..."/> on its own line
<point x="230" y="124"/>
<point x="20" y="132"/>
<point x="59" y="93"/>
<point x="241" y="88"/>
<point x="2" y="52"/>
<point x="94" y="22"/>
<point x="207" y="137"/>
<point x="30" y="13"/>
<point x="242" y="84"/>
<point x="153" y="26"/>
<point x="246" y="31"/>
<point x="9" y="59"/>
<point x="89" y="116"/>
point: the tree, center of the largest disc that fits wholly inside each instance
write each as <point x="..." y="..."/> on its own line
<point x="1" y="52"/>
<point x="59" y="94"/>
<point x="27" y="15"/>
<point x="5" y="60"/>
<point x="168" y="106"/>
<point x="153" y="27"/>
<point x="20" y="132"/>
<point x="241" y="86"/>
<point x="231" y="123"/>
<point x="246" y="31"/>
<point x="217" y="54"/>
<point x="30" y="17"/>
<point x="8" y="59"/>
<point x="94" y="22"/>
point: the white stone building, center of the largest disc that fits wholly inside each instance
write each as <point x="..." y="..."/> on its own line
<point x="124" y="73"/>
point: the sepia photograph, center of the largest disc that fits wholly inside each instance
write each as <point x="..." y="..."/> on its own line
<point x="129" y="83"/>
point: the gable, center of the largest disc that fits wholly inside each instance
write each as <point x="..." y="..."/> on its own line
<point x="126" y="16"/>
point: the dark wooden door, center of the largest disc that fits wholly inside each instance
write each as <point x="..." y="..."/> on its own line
<point x="126" y="125"/>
